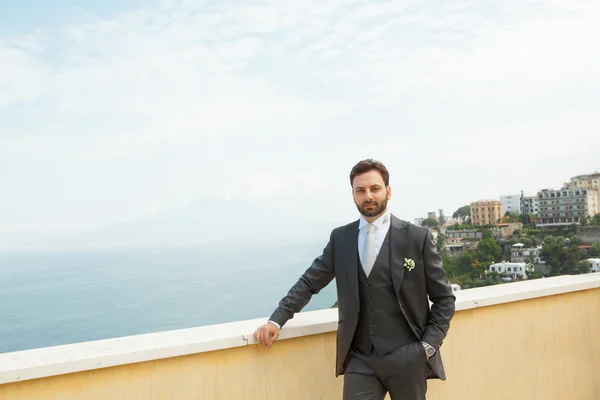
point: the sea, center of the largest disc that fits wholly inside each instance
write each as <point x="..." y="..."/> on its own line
<point x="56" y="298"/>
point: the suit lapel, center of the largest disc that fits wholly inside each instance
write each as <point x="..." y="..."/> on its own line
<point x="398" y="248"/>
<point x="352" y="260"/>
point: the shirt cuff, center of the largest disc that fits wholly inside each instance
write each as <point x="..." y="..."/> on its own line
<point x="275" y="323"/>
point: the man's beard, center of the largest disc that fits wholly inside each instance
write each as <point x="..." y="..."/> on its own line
<point x="379" y="208"/>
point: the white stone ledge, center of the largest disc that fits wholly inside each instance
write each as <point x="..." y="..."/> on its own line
<point x="71" y="358"/>
<point x="517" y="291"/>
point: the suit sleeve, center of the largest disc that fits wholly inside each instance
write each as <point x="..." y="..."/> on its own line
<point x="440" y="294"/>
<point x="315" y="278"/>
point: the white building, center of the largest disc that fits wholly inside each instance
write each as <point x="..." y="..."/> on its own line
<point x="594" y="264"/>
<point x="511" y="269"/>
<point x="512" y="203"/>
<point x="519" y="254"/>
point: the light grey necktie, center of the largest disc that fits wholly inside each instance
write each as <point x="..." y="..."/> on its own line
<point x="369" y="254"/>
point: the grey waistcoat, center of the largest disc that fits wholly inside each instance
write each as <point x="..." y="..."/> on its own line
<point x="381" y="324"/>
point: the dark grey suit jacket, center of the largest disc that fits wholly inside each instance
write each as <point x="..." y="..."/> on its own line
<point x="413" y="288"/>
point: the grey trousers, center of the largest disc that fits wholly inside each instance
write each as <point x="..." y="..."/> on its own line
<point x="402" y="373"/>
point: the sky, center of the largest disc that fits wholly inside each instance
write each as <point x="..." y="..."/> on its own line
<point x="114" y="111"/>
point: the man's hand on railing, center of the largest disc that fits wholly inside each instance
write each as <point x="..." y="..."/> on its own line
<point x="267" y="334"/>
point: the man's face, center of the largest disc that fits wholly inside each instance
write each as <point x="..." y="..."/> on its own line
<point x="370" y="194"/>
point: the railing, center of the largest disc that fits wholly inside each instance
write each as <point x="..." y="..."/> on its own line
<point x="527" y="340"/>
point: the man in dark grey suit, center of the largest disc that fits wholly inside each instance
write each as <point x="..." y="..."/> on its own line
<point x="387" y="271"/>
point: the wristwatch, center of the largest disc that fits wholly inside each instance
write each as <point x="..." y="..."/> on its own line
<point x="429" y="350"/>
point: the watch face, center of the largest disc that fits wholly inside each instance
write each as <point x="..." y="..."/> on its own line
<point x="429" y="351"/>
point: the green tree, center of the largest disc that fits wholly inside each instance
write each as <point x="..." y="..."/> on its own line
<point x="449" y="265"/>
<point x="525" y="219"/>
<point x="442" y="217"/>
<point x="466" y="282"/>
<point x="463" y="213"/>
<point x="509" y="242"/>
<point x="583" y="267"/>
<point x="488" y="251"/>
<point x="430" y="222"/>
<point x="595" y="250"/>
<point x="595" y="220"/>
<point x="555" y="253"/>
<point x="487" y="234"/>
<point x="441" y="239"/>
<point x="464" y="264"/>
<point x="510" y="216"/>
<point x="527" y="242"/>
<point x="571" y="259"/>
<point x="478" y="267"/>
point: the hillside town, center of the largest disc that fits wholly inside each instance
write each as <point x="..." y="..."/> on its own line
<point x="517" y="237"/>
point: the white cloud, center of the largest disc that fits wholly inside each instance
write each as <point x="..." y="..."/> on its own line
<point x="149" y="108"/>
<point x="276" y="185"/>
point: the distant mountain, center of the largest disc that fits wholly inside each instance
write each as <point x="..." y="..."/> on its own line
<point x="206" y="221"/>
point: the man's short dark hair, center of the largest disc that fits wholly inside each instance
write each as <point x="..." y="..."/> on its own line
<point x="370" y="165"/>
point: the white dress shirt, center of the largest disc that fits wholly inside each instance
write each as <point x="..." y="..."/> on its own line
<point x="382" y="226"/>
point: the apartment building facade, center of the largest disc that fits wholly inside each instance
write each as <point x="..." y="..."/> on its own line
<point x="530" y="205"/>
<point x="588" y="181"/>
<point x="486" y="212"/>
<point x="566" y="206"/>
<point x="511" y="203"/>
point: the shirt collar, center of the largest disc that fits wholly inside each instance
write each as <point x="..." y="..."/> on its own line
<point x="379" y="222"/>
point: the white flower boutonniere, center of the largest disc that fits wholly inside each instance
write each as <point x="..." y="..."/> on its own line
<point x="409" y="264"/>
